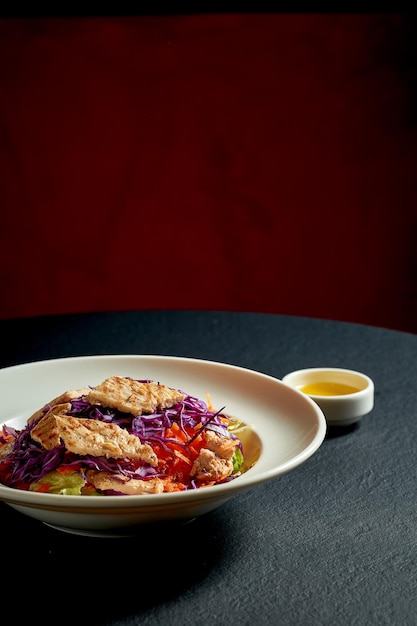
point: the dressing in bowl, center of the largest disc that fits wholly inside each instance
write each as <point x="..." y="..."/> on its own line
<point x="343" y="395"/>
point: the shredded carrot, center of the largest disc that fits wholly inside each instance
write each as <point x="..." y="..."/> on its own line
<point x="175" y="432"/>
<point x="209" y="404"/>
<point x="171" y="486"/>
<point x="181" y="456"/>
<point x="195" y="451"/>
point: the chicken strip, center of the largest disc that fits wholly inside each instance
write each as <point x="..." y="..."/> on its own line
<point x="46" y="431"/>
<point x="88" y="436"/>
<point x="118" y="482"/>
<point x="208" y="467"/>
<point x="130" y="396"/>
<point x="222" y="446"/>
<point x="5" y="449"/>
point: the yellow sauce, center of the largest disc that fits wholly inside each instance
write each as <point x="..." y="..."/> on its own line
<point x="328" y="389"/>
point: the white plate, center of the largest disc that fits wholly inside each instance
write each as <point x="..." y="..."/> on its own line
<point x="287" y="428"/>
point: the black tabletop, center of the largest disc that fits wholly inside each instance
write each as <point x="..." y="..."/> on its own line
<point x="333" y="542"/>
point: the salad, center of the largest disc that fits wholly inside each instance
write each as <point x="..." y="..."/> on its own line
<point x="122" y="437"/>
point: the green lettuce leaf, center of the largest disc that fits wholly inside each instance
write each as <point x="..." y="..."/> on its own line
<point x="237" y="460"/>
<point x="68" y="484"/>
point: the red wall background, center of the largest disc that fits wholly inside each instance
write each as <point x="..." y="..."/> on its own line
<point x="253" y="162"/>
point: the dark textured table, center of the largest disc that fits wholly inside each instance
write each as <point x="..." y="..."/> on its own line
<point x="333" y="542"/>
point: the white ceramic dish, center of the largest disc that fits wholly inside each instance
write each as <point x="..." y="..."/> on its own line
<point x="343" y="395"/>
<point x="287" y="428"/>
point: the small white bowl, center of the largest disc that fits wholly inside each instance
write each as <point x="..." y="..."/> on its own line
<point x="343" y="395"/>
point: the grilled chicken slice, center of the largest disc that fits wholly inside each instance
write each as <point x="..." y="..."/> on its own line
<point x="6" y="449"/>
<point x="214" y="462"/>
<point x="208" y="467"/>
<point x="88" y="436"/>
<point x="46" y="431"/>
<point x="131" y="396"/>
<point x="222" y="446"/>
<point x="118" y="482"/>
